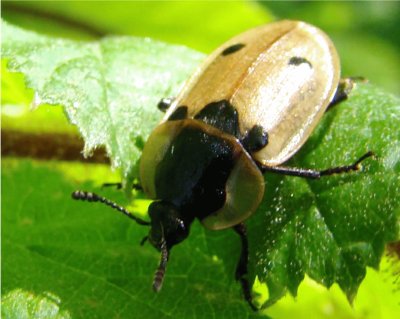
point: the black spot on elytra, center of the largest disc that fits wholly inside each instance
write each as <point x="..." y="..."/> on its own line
<point x="297" y="60"/>
<point x="232" y="49"/>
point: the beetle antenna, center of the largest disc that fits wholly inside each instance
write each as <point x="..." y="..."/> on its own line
<point x="160" y="272"/>
<point x="92" y="197"/>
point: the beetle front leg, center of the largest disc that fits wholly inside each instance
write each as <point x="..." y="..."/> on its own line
<point x="315" y="174"/>
<point x="241" y="268"/>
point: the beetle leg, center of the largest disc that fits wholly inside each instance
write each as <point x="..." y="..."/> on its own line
<point x="343" y="90"/>
<point x="116" y="185"/>
<point x="255" y="139"/>
<point x="315" y="174"/>
<point x="241" y="268"/>
<point x="135" y="186"/>
<point x="165" y="103"/>
<point x="144" y="239"/>
<point x="92" y="197"/>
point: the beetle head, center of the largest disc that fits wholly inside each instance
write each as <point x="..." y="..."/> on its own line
<point x="167" y="229"/>
<point x="166" y="225"/>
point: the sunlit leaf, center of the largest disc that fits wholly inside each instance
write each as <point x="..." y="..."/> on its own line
<point x="109" y="88"/>
<point x="330" y="229"/>
<point x="84" y="260"/>
<point x="334" y="227"/>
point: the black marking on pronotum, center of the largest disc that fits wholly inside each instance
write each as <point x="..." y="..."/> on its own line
<point x="297" y="60"/>
<point x="222" y="115"/>
<point x="179" y="114"/>
<point x="233" y="49"/>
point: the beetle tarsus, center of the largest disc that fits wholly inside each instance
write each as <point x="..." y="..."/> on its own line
<point x="316" y="174"/>
<point x="92" y="197"/>
<point x="241" y="268"/>
<point x="347" y="168"/>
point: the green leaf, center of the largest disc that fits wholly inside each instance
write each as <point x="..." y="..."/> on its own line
<point x="109" y="88"/>
<point x="333" y="228"/>
<point x="21" y="304"/>
<point x="88" y="261"/>
<point x="84" y="261"/>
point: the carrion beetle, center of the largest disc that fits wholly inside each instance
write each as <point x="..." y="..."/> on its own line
<point x="248" y="109"/>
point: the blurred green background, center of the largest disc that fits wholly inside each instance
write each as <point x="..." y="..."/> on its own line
<point x="366" y="34"/>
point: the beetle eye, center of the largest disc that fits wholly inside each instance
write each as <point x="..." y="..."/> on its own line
<point x="181" y="232"/>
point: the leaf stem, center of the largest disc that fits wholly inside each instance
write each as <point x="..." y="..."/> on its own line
<point x="52" y="16"/>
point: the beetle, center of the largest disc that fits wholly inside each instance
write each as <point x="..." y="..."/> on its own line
<point x="248" y="109"/>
